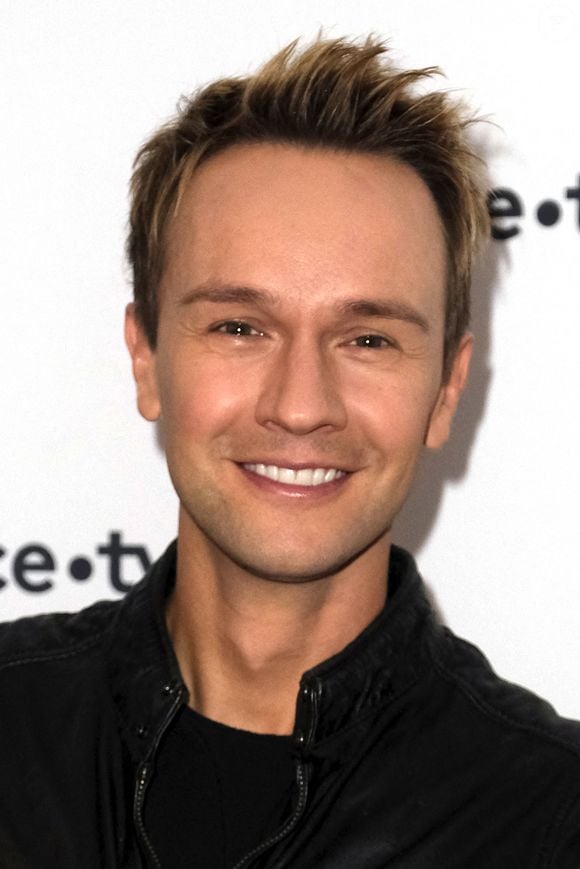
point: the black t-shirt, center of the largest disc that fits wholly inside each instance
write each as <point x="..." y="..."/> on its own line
<point x="217" y="792"/>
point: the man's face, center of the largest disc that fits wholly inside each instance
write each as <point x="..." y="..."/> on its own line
<point x="301" y="328"/>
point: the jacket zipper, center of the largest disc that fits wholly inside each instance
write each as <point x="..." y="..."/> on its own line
<point x="143" y="781"/>
<point x="141" y="787"/>
<point x="303" y="739"/>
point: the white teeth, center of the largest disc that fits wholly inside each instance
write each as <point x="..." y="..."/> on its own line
<point x="285" y="475"/>
<point x="318" y="476"/>
<point x="303" y="477"/>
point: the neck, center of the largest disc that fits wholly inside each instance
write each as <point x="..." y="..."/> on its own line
<point x="243" y="642"/>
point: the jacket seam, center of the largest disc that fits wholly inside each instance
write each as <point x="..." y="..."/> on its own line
<point x="493" y="712"/>
<point x="52" y="656"/>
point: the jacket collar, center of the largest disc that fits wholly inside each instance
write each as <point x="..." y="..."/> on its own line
<point x="143" y="670"/>
<point x="381" y="663"/>
<point x="384" y="661"/>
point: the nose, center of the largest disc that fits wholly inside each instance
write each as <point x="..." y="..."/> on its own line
<point x="301" y="391"/>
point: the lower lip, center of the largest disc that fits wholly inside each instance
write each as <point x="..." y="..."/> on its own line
<point x="302" y="492"/>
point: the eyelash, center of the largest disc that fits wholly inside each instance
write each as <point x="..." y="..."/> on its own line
<point x="370" y="337"/>
<point x="237" y="332"/>
<point x="242" y="329"/>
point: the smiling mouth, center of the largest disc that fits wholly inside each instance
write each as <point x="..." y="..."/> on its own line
<point x="290" y="477"/>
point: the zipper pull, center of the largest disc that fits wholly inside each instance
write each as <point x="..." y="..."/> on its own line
<point x="305" y="717"/>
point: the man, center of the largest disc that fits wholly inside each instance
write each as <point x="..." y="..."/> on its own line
<point x="277" y="691"/>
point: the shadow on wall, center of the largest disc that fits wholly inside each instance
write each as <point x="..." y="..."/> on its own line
<point x="417" y="518"/>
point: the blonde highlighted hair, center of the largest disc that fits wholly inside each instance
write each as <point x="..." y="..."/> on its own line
<point x="334" y="94"/>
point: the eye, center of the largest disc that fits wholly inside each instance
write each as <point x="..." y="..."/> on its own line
<point x="372" y="342"/>
<point x="237" y="328"/>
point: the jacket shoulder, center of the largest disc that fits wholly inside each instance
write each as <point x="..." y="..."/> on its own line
<point x="509" y="705"/>
<point x="54" y="637"/>
<point x="531" y="752"/>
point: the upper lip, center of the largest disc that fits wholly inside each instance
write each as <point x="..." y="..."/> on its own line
<point x="296" y="466"/>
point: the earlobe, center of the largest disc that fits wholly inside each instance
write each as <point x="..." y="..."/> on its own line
<point x="450" y="392"/>
<point x="144" y="367"/>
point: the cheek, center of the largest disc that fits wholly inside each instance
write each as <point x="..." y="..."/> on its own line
<point x="200" y="399"/>
<point x="395" y="416"/>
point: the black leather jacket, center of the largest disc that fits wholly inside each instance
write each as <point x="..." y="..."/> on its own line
<point x="410" y="752"/>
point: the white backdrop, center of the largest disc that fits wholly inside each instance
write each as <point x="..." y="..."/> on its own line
<point x="494" y="518"/>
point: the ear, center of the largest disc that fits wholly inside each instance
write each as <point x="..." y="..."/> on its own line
<point x="144" y="366"/>
<point x="449" y="394"/>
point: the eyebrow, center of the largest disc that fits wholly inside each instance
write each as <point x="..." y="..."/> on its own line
<point x="392" y="309"/>
<point x="227" y="294"/>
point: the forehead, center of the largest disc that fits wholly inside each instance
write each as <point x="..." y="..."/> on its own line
<point x="309" y="223"/>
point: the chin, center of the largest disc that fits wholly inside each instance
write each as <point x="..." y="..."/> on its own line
<point x="291" y="574"/>
<point x="289" y="555"/>
<point x="293" y="567"/>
